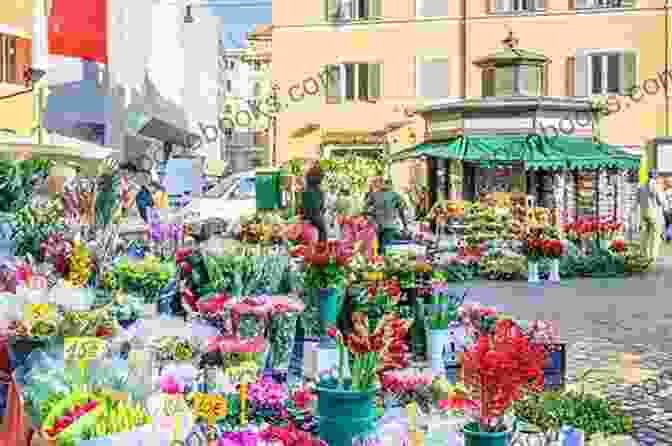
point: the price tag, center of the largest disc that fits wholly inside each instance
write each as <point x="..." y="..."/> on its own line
<point x="210" y="407"/>
<point x="36" y="312"/>
<point x="84" y="348"/>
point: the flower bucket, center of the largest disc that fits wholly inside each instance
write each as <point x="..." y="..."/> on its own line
<point x="7" y="240"/>
<point x="554" y="274"/>
<point x="302" y="345"/>
<point x="438" y="340"/>
<point x="344" y="414"/>
<point x="283" y="337"/>
<point x="533" y="272"/>
<point x="474" y="438"/>
<point x="418" y="330"/>
<point x="604" y="244"/>
<point x="330" y="306"/>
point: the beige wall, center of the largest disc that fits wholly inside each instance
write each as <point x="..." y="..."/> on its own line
<point x="303" y="44"/>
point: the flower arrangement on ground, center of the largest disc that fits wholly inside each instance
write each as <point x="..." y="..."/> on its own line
<point x="496" y="371"/>
<point x="325" y="264"/>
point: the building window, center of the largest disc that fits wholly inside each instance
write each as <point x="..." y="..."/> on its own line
<point x="228" y="133"/>
<point x="354" y="82"/>
<point x="8" y="69"/>
<point x="232" y="65"/>
<point x="228" y="86"/>
<point x="431" y="8"/>
<point x="593" y="4"/>
<point x="606" y="73"/>
<point x="347" y="10"/>
<point x="517" y="6"/>
<point x="432" y="78"/>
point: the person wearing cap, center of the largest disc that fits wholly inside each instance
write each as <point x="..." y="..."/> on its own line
<point x="652" y="203"/>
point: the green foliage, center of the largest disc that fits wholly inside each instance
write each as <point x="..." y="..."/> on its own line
<point x="598" y="263"/>
<point x="350" y="173"/>
<point x="457" y="272"/>
<point x="145" y="278"/>
<point x="16" y="182"/>
<point x="485" y="224"/>
<point x="503" y="267"/>
<point x="30" y="233"/>
<point x="589" y="413"/>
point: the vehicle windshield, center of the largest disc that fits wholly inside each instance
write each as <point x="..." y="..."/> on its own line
<point x="244" y="189"/>
<point x="220" y="189"/>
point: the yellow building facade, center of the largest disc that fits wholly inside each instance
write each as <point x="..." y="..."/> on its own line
<point x="16" y="99"/>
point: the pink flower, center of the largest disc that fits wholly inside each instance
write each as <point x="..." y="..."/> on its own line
<point x="332" y="332"/>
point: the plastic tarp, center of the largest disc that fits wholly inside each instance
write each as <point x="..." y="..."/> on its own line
<point x="536" y="152"/>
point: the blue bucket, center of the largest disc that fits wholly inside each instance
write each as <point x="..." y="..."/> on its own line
<point x="344" y="414"/>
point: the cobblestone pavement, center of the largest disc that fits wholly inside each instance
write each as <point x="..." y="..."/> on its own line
<point x="605" y="321"/>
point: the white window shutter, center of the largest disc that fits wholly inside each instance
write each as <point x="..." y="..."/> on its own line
<point x="503" y="6"/>
<point x="539" y="5"/>
<point x="433" y="77"/>
<point x="583" y="4"/>
<point x="582" y="74"/>
<point x="434" y="8"/>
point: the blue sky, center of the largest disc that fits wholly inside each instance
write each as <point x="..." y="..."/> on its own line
<point x="238" y="21"/>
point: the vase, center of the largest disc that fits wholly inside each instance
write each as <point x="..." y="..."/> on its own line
<point x="345" y="414"/>
<point x="554" y="275"/>
<point x="438" y="340"/>
<point x="473" y="437"/>
<point x="533" y="272"/>
<point x="330" y="301"/>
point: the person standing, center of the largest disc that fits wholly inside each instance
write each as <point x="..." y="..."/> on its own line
<point x="668" y="208"/>
<point x="144" y="202"/>
<point x="314" y="203"/>
<point x="160" y="196"/>
<point x="385" y="207"/>
<point x="652" y="203"/>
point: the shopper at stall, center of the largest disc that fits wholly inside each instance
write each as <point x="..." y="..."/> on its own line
<point x="160" y="196"/>
<point x="668" y="208"/>
<point x="314" y="202"/>
<point x="652" y="203"/>
<point x="144" y="201"/>
<point x="385" y="207"/>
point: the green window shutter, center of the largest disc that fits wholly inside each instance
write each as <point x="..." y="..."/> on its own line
<point x="630" y="78"/>
<point x="582" y="75"/>
<point x="375" y="78"/>
<point x="488" y="83"/>
<point x="504" y="80"/>
<point x="630" y="3"/>
<point x="545" y="76"/>
<point x="330" y="10"/>
<point x="333" y="80"/>
<point x="375" y="9"/>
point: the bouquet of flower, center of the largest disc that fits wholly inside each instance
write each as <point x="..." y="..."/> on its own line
<point x="478" y="320"/>
<point x="554" y="249"/>
<point x="325" y="264"/>
<point x="607" y="230"/>
<point x="363" y="269"/>
<point x="496" y="371"/>
<point x="402" y="389"/>
<point x="57" y="250"/>
<point x="534" y="249"/>
<point x="268" y="399"/>
<point x="617" y="246"/>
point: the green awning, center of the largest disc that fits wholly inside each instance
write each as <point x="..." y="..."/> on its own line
<point x="537" y="152"/>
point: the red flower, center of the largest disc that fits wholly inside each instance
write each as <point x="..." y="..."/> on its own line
<point x="332" y="332"/>
<point x="618" y="246"/>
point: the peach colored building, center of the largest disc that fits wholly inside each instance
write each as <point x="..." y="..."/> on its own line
<point x="390" y="56"/>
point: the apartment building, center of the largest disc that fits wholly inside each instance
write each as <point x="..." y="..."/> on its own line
<point x="16" y="98"/>
<point x="384" y="58"/>
<point x="246" y="116"/>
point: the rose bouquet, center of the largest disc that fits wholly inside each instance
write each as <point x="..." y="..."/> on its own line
<point x="607" y="229"/>
<point x="554" y="249"/>
<point x="496" y="371"/>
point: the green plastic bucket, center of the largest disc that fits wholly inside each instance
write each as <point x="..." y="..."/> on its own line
<point x="331" y="300"/>
<point x="345" y="415"/>
<point x="472" y="437"/>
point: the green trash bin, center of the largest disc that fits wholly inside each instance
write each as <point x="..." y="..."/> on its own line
<point x="267" y="184"/>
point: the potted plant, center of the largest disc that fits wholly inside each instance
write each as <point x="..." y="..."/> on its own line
<point x="496" y="370"/>
<point x="325" y="269"/>
<point x="554" y="249"/>
<point x="346" y="407"/>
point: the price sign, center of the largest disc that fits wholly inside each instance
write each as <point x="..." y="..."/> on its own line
<point x="210" y="407"/>
<point x="36" y="312"/>
<point x="84" y="348"/>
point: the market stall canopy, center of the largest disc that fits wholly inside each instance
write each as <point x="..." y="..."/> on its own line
<point x="70" y="151"/>
<point x="537" y="152"/>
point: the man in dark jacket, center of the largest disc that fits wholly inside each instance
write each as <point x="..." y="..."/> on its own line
<point x="144" y="201"/>
<point x="385" y="207"/>
<point x="313" y="202"/>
